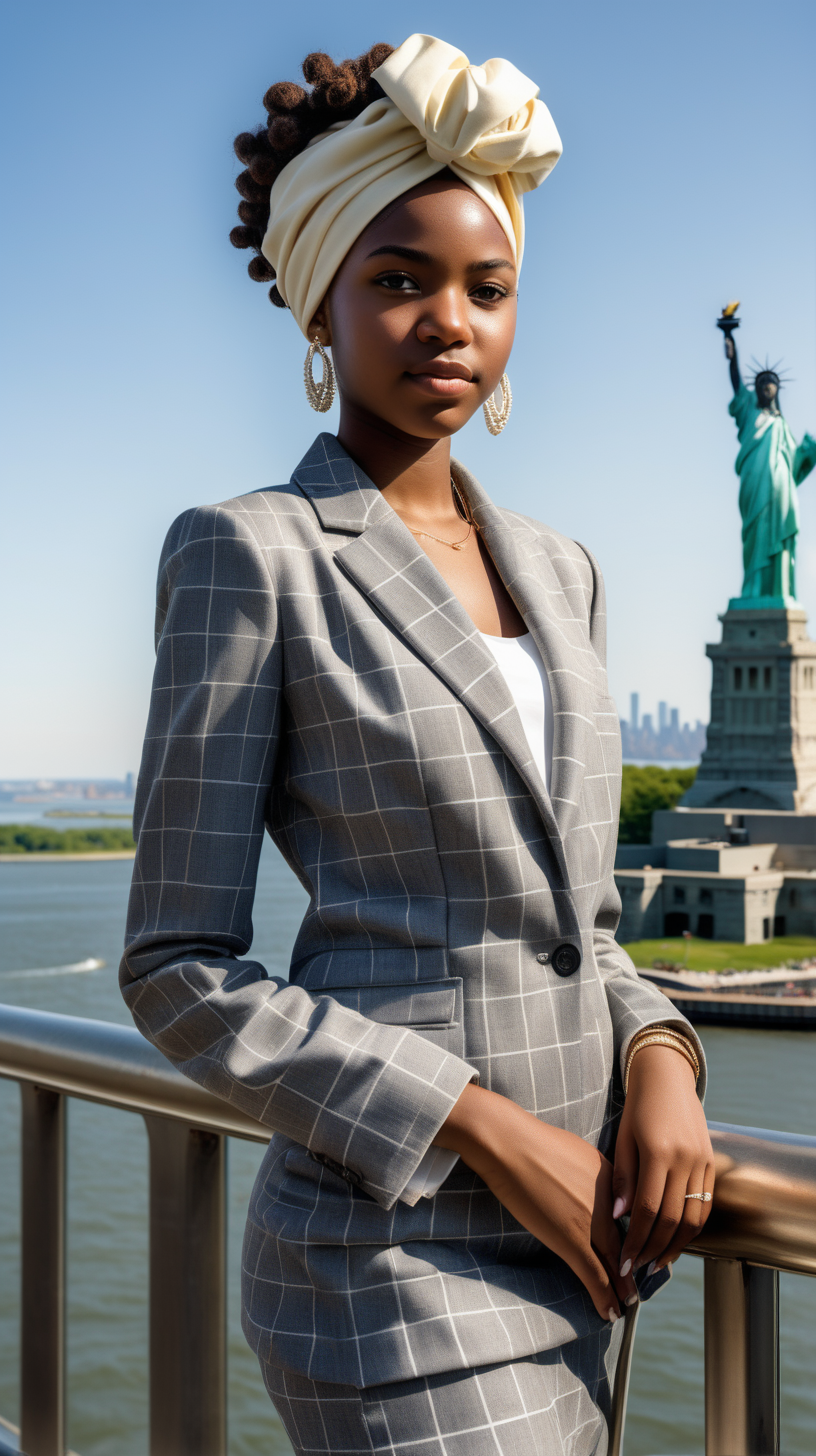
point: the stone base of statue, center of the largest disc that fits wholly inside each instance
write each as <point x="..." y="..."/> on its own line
<point x="761" y="747"/>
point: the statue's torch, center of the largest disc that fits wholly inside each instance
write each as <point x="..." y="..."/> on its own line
<point x="728" y="320"/>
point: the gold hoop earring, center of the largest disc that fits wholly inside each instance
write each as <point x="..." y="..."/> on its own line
<point x="320" y="396"/>
<point x="496" y="416"/>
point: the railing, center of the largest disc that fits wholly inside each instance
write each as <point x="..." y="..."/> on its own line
<point x="763" y="1220"/>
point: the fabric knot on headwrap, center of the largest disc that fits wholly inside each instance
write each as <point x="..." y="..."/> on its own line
<point x="485" y="123"/>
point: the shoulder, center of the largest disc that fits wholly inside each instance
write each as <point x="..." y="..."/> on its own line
<point x="742" y="403"/>
<point x="572" y="562"/>
<point x="276" y="515"/>
<point x="225" y="553"/>
<point x="249" y="513"/>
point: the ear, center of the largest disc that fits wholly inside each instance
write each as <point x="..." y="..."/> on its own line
<point x="320" y="325"/>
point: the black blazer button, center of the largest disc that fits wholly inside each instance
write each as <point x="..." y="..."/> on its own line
<point x="566" y="959"/>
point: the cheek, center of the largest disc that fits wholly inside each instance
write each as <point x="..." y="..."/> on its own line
<point x="368" y="341"/>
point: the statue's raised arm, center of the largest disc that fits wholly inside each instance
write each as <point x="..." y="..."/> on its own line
<point x="728" y="322"/>
<point x="731" y="356"/>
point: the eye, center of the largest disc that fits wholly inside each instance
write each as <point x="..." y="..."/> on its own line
<point x="489" y="292"/>
<point x="398" y="282"/>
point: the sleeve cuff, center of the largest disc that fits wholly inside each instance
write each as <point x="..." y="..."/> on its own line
<point x="427" y="1178"/>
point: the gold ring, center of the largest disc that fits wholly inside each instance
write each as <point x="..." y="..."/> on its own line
<point x="703" y="1197"/>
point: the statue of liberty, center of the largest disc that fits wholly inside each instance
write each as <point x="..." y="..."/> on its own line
<point x="770" y="466"/>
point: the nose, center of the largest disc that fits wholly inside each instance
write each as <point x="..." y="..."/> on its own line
<point x="445" y="319"/>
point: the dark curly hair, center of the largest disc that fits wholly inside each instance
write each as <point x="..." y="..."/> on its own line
<point x="338" y="93"/>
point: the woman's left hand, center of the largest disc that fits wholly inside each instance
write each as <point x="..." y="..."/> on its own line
<point x="663" y="1152"/>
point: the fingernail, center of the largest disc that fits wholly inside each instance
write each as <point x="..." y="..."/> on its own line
<point x="624" y="1269"/>
<point x="618" y="1207"/>
<point x="633" y="1299"/>
<point x="651" y="1269"/>
<point x="612" y="1317"/>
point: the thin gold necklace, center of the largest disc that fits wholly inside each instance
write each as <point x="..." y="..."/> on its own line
<point x="454" y="545"/>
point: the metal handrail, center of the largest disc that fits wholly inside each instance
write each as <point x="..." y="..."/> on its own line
<point x="763" y="1220"/>
<point x="102" y="1062"/>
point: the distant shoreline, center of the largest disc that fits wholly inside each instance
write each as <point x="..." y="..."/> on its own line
<point x="58" y="857"/>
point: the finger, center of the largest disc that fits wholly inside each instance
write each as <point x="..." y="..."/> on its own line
<point x="694" y="1216"/>
<point x="669" y="1216"/>
<point x="595" y="1278"/>
<point x="609" y="1253"/>
<point x="624" y="1176"/>
<point x="645" y="1208"/>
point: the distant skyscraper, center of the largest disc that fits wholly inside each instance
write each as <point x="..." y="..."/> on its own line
<point x="647" y="723"/>
<point x="675" y="720"/>
<point x="130" y="786"/>
<point x="662" y="716"/>
<point x="634" y="711"/>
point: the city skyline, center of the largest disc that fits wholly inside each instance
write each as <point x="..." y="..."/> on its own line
<point x="42" y="787"/>
<point x="664" y="741"/>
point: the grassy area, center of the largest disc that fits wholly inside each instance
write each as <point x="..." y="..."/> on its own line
<point x="722" y="955"/>
<point x="41" y="839"/>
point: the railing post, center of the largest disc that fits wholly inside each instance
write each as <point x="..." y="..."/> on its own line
<point x="42" y="1335"/>
<point x="741" y="1359"/>
<point x="620" y="1391"/>
<point x="188" y="1382"/>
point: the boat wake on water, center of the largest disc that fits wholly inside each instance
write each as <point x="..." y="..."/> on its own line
<point x="76" y="968"/>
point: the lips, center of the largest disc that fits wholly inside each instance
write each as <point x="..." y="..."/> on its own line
<point x="443" y="378"/>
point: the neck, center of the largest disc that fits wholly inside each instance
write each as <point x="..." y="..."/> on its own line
<point x="412" y="473"/>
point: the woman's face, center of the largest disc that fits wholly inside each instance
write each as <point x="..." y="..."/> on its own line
<point x="422" y="312"/>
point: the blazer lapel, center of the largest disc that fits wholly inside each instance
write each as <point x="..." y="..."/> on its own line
<point x="390" y="567"/>
<point x="558" y="627"/>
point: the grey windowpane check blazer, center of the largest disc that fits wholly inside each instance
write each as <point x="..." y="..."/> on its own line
<point x="317" y="678"/>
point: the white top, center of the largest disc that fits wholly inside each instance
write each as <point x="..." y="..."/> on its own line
<point x="522" y="668"/>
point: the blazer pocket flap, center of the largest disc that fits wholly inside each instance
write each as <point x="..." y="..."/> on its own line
<point x="420" y="1004"/>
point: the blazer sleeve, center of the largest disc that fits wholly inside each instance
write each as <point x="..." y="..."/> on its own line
<point x="368" y="1096"/>
<point x="633" y="1002"/>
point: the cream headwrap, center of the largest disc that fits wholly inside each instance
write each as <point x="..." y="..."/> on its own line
<point x="484" y="122"/>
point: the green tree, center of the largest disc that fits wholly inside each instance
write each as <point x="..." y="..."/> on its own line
<point x="41" y="838"/>
<point x="643" y="791"/>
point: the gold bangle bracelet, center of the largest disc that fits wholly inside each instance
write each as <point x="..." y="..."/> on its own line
<point x="669" y="1031"/>
<point x="661" y="1036"/>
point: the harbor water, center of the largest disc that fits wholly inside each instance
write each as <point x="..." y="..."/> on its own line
<point x="56" y="920"/>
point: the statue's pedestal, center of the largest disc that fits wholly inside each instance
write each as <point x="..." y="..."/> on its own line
<point x="761" y="747"/>
<point x="753" y="604"/>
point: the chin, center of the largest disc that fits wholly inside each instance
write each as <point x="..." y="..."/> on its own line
<point x="441" y="426"/>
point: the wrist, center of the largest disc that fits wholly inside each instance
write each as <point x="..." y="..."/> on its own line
<point x="664" y="1036"/>
<point x="659" y="1061"/>
<point x="479" y="1126"/>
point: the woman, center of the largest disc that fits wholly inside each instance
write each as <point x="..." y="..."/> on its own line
<point x="405" y="686"/>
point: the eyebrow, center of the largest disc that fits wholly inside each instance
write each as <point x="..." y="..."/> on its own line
<point x="416" y="255"/>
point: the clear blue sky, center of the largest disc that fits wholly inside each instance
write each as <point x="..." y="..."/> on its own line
<point x="143" y="372"/>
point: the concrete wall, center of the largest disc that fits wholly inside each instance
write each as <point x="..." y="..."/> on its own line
<point x="642" y="905"/>
<point x="761" y="826"/>
<point x="740" y="904"/>
<point x="639" y="856"/>
<point x="719" y="859"/>
<point x="797" y="902"/>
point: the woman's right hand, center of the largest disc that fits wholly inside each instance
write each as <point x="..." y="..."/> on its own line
<point x="555" y="1184"/>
